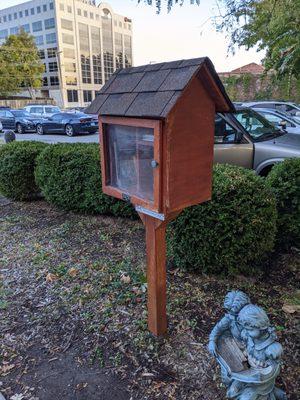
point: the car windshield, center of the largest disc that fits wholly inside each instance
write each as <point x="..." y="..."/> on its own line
<point x="52" y="110"/>
<point x="256" y="125"/>
<point x="21" y="113"/>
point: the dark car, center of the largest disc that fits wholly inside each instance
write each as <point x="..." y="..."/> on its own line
<point x="69" y="124"/>
<point x="7" y="119"/>
<point x="24" y="121"/>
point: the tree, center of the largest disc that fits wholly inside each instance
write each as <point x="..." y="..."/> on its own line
<point x="20" y="65"/>
<point x="168" y="3"/>
<point x="272" y="25"/>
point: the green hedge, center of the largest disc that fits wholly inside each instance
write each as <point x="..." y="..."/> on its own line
<point x="17" y="163"/>
<point x="230" y="233"/>
<point x="284" y="180"/>
<point x="69" y="176"/>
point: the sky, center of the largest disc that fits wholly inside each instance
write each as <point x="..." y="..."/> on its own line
<point x="186" y="32"/>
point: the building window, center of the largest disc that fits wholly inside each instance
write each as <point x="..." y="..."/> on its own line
<point x="72" y="96"/>
<point x="44" y="7"/>
<point x="14" y="30"/>
<point x="78" y="11"/>
<point x="53" y="66"/>
<point x="128" y="51"/>
<point x="61" y="7"/>
<point x="51" y="6"/>
<point x="70" y="67"/>
<point x="37" y="26"/>
<point x="26" y="13"/>
<point x="50" y="38"/>
<point x="68" y="39"/>
<point x="97" y="17"/>
<point x="85" y="13"/>
<point x="38" y="9"/>
<point x="119" y="50"/>
<point x="96" y="50"/>
<point x="69" y="53"/>
<point x="107" y="47"/>
<point x="66" y="24"/>
<point x="9" y="17"/>
<point x="4" y="18"/>
<point x="91" y="15"/>
<point x="54" y="81"/>
<point x="87" y="96"/>
<point x="115" y="22"/>
<point x="97" y="92"/>
<point x="45" y="81"/>
<point x="69" y="9"/>
<point x="39" y="40"/>
<point x="32" y="11"/>
<point x="120" y="24"/>
<point x="15" y="15"/>
<point x="85" y="53"/>
<point x="3" y="33"/>
<point x="41" y="54"/>
<point x="45" y="67"/>
<point x="21" y="14"/>
<point x="71" y="80"/>
<point x="51" y="52"/>
<point x="49" y="23"/>
<point x="25" y="28"/>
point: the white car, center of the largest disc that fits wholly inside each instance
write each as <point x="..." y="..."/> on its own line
<point x="44" y="111"/>
<point x="283" y="106"/>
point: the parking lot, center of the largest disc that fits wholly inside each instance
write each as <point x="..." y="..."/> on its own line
<point x="93" y="138"/>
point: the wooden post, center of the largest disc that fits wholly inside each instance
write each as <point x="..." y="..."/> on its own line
<point x="156" y="272"/>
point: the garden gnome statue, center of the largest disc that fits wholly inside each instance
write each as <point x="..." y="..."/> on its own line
<point x="246" y="347"/>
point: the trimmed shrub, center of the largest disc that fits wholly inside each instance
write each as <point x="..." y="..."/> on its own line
<point x="69" y="176"/>
<point x="17" y="164"/>
<point x="284" y="180"/>
<point x="230" y="233"/>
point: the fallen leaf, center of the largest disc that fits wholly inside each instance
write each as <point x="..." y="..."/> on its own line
<point x="6" y="368"/>
<point x="125" y="278"/>
<point x="73" y="272"/>
<point x="291" y="308"/>
<point x="50" y="277"/>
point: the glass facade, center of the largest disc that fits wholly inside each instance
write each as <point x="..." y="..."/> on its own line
<point x="108" y="57"/>
<point x="96" y="50"/>
<point x="128" y="51"/>
<point x="84" y="47"/>
<point x="119" y="50"/>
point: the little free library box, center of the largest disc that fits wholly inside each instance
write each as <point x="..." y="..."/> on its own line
<point x="156" y="136"/>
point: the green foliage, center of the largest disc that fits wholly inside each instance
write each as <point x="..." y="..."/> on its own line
<point x="270" y="25"/>
<point x="17" y="163"/>
<point x="284" y="180"/>
<point x="20" y="65"/>
<point x="69" y="176"/>
<point x="230" y="233"/>
<point x="168" y="3"/>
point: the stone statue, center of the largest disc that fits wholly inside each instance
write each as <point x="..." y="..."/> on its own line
<point x="246" y="347"/>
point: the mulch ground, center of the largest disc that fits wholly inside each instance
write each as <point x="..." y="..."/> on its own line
<point x="74" y="319"/>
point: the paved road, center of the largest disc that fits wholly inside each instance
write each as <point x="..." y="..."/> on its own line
<point x="57" y="138"/>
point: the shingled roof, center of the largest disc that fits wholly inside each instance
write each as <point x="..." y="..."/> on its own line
<point x="152" y="90"/>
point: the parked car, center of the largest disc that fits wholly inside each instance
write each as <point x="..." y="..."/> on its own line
<point x="25" y="122"/>
<point x="1" y="127"/>
<point x="7" y="119"/>
<point x="284" y="106"/>
<point x="69" y="124"/>
<point x="247" y="139"/>
<point x="39" y="110"/>
<point x="281" y="120"/>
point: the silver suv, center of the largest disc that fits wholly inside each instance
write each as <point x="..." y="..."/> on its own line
<point x="40" y="110"/>
<point x="247" y="139"/>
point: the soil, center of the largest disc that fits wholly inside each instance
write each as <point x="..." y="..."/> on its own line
<point x="74" y="318"/>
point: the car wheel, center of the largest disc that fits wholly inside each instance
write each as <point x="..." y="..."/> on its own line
<point x="69" y="130"/>
<point x="39" y="129"/>
<point x="19" y="128"/>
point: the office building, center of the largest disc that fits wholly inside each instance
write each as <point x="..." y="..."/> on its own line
<point x="80" y="43"/>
